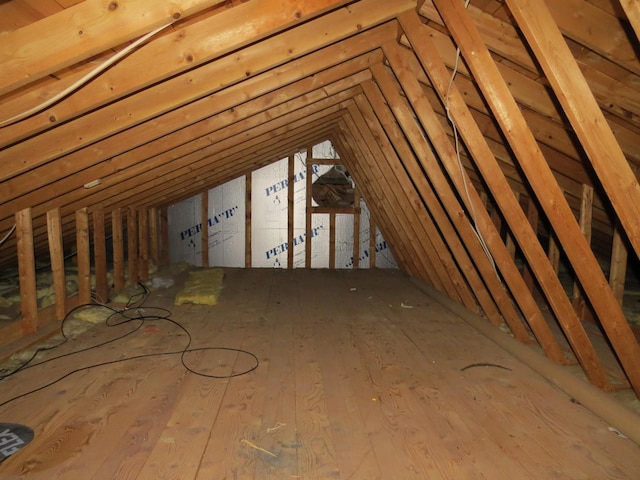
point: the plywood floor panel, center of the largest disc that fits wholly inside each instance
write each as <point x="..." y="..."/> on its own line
<point x="359" y="377"/>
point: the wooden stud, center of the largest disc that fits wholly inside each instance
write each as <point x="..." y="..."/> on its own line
<point x="332" y="241"/>
<point x="585" y="221"/>
<point x="27" y="272"/>
<point x="132" y="245"/>
<point x="554" y="253"/>
<point x="356" y="228"/>
<point x="204" y="227"/>
<point x="56" y="254"/>
<point x="308" y="213"/>
<point x="618" y="267"/>
<point x="372" y="240"/>
<point x="118" y="249"/>
<point x="532" y="217"/>
<point x="83" y="247"/>
<point x="247" y="231"/>
<point x="164" y="236"/>
<point x="154" y="236"/>
<point x="509" y="240"/>
<point x="290" y="209"/>
<point x="143" y="244"/>
<point x="100" y="255"/>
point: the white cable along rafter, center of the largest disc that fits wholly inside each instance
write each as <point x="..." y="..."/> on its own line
<point x="103" y="66"/>
<point x="93" y="73"/>
<point x="462" y="172"/>
<point x="6" y="237"/>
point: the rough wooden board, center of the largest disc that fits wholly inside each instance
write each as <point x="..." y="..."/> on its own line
<point x="361" y="367"/>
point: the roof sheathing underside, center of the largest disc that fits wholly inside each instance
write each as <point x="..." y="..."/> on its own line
<point x="191" y="109"/>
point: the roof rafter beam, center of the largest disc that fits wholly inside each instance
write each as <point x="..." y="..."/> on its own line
<point x="190" y="46"/>
<point x="582" y="110"/>
<point x="547" y="191"/>
<point x="81" y="31"/>
<point x="192" y="86"/>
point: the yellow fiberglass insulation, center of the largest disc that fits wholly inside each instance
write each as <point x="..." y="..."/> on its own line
<point x="203" y="287"/>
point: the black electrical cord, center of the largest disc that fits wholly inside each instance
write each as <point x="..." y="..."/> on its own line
<point x="126" y="312"/>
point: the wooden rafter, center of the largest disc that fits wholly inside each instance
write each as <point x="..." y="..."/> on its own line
<point x="589" y="124"/>
<point x="549" y="195"/>
<point x="510" y="209"/>
<point x="53" y="43"/>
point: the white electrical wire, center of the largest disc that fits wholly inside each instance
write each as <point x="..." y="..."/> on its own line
<point x="8" y="234"/>
<point x="82" y="81"/>
<point x="458" y="156"/>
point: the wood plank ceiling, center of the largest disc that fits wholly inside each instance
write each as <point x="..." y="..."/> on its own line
<point x="545" y="100"/>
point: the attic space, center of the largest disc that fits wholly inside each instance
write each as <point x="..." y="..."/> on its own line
<point x="391" y="219"/>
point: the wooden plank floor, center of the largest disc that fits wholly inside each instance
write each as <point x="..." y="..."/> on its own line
<point x="359" y="377"/>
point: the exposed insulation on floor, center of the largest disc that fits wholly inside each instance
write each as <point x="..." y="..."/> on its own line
<point x="203" y="287"/>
